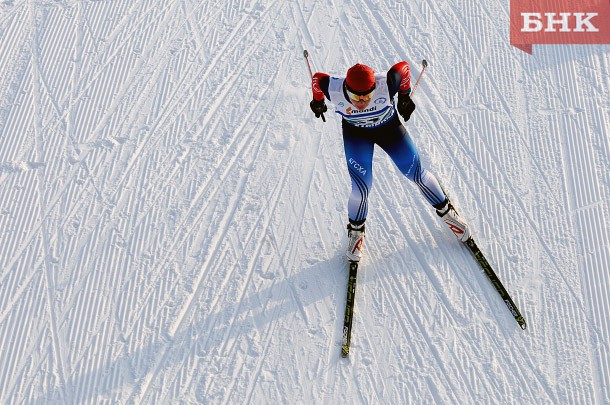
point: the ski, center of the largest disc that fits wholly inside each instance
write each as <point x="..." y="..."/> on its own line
<point x="493" y="277"/>
<point x="349" y="309"/>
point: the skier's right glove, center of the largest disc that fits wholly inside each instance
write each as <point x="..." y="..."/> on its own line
<point x="318" y="107"/>
<point x="405" y="106"/>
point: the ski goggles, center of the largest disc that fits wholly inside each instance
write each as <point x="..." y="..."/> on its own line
<point x="360" y="97"/>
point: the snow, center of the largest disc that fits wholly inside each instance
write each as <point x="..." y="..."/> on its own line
<point x="172" y="216"/>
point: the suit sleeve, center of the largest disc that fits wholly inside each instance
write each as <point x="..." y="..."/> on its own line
<point x="399" y="79"/>
<point x="319" y="86"/>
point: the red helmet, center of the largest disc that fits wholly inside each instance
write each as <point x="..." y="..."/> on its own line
<point x="360" y="79"/>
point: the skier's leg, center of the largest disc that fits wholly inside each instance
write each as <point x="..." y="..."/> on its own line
<point x="359" y="158"/>
<point x="399" y="145"/>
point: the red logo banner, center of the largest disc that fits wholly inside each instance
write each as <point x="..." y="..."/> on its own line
<point x="559" y="22"/>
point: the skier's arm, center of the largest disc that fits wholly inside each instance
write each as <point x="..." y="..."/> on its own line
<point x="399" y="81"/>
<point x="319" y="86"/>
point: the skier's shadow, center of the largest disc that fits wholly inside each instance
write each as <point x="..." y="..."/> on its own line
<point x="211" y="338"/>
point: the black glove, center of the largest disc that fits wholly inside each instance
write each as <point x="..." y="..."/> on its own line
<point x="405" y="106"/>
<point x="318" y="107"/>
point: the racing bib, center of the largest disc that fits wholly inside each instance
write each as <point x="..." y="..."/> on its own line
<point x="377" y="113"/>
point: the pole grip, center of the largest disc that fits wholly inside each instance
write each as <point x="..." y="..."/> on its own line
<point x="306" y="55"/>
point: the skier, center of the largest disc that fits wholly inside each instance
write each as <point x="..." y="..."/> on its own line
<point x="365" y="102"/>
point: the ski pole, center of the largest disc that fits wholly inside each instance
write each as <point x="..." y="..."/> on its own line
<point x="306" y="55"/>
<point x="425" y="65"/>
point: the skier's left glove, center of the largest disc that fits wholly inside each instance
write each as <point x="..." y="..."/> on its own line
<point x="405" y="106"/>
<point x="318" y="107"/>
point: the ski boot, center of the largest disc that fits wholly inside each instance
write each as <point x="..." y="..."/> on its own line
<point x="355" y="245"/>
<point x="453" y="221"/>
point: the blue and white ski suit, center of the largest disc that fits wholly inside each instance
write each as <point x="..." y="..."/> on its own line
<point x="377" y="124"/>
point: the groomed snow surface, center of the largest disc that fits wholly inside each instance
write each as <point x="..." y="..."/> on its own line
<point x="172" y="216"/>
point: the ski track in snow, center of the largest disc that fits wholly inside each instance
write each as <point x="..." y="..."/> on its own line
<point x="173" y="217"/>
